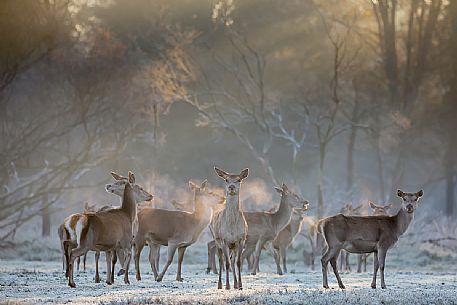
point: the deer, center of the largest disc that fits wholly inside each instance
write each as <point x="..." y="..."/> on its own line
<point x="377" y="210"/>
<point x="285" y="238"/>
<point x="229" y="228"/>
<point x="348" y="210"/>
<point x="109" y="230"/>
<point x="176" y="229"/>
<point x="264" y="227"/>
<point x="366" y="234"/>
<point x="116" y="188"/>
<point x="63" y="236"/>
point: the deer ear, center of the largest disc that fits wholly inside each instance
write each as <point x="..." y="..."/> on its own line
<point x="221" y="173"/>
<point x="279" y="190"/>
<point x="131" y="177"/>
<point x="399" y="193"/>
<point x="420" y="193"/>
<point x="203" y="185"/>
<point x="284" y="187"/>
<point x="86" y="206"/>
<point x="244" y="173"/>
<point x="116" y="176"/>
<point x="372" y="205"/>
<point x="192" y="185"/>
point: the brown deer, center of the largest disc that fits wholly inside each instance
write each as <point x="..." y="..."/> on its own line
<point x="67" y="230"/>
<point x="377" y="210"/>
<point x="175" y="229"/>
<point x="108" y="230"/>
<point x="264" y="227"/>
<point x="63" y="236"/>
<point x="286" y="237"/>
<point x="365" y="234"/>
<point x="229" y="228"/>
<point x="348" y="210"/>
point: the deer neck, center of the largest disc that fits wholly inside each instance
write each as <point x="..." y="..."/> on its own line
<point x="128" y="205"/>
<point x="403" y="220"/>
<point x="281" y="218"/>
<point x="232" y="205"/>
<point x="201" y="211"/>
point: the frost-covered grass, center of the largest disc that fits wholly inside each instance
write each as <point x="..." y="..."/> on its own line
<point x="44" y="282"/>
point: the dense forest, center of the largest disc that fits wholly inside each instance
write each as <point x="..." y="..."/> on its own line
<point x="345" y="101"/>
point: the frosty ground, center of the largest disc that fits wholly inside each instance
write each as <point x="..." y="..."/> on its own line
<point x="25" y="282"/>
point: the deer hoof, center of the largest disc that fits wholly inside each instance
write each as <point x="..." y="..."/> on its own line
<point x="219" y="286"/>
<point x="373" y="286"/>
<point x="121" y="272"/>
<point x="383" y="287"/>
<point x="280" y="273"/>
<point x="72" y="285"/>
<point x="179" y="279"/>
<point x="342" y="286"/>
<point x="159" y="278"/>
<point x="109" y="283"/>
<point x="138" y="278"/>
<point x="325" y="286"/>
<point x="127" y="282"/>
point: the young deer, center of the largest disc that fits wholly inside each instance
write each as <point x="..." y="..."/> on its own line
<point x="348" y="210"/>
<point x="264" y="227"/>
<point x="286" y="237"/>
<point x="175" y="229"/>
<point x="377" y="210"/>
<point x="365" y="234"/>
<point x="229" y="228"/>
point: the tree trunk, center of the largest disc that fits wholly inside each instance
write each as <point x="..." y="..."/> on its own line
<point x="350" y="151"/>
<point x="45" y="213"/>
<point x="320" y="193"/>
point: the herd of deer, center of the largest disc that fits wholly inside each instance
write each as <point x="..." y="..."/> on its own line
<point x="237" y="235"/>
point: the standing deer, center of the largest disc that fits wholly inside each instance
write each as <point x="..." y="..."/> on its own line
<point x="175" y="229"/>
<point x="365" y="234"/>
<point x="377" y="210"/>
<point x="229" y="228"/>
<point x="264" y="227"/>
<point x="109" y="230"/>
<point x="286" y="237"/>
<point x="63" y="236"/>
<point x="348" y="210"/>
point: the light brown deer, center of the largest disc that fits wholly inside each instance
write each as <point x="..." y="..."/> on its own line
<point x="285" y="238"/>
<point x="229" y="228"/>
<point x="377" y="210"/>
<point x="175" y="229"/>
<point x="365" y="234"/>
<point x="108" y="230"/>
<point x="348" y="210"/>
<point x="67" y="230"/>
<point x="264" y="227"/>
<point x="63" y="236"/>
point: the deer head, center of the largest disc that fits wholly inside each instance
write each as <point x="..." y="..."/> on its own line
<point x="410" y="200"/>
<point x="118" y="187"/>
<point x="232" y="181"/>
<point x="379" y="209"/>
<point x="294" y="200"/>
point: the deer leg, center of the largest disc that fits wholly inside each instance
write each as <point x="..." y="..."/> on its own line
<point x="365" y="262"/>
<point x="84" y="261"/>
<point x="181" y="251"/>
<point x="73" y="255"/>
<point x="359" y="263"/>
<point x="375" y="269"/>
<point x="219" y="254"/>
<point x="335" y="270"/>
<point x="232" y="263"/>
<point x="157" y="257"/>
<point x="138" y="247"/>
<point x="122" y="258"/>
<point x="113" y="264"/>
<point x="78" y="262"/>
<point x="97" y="275"/>
<point x="227" y="266"/>
<point x="125" y="261"/>
<point x="348" y="266"/>
<point x="283" y="257"/>
<point x="382" y="260"/>
<point x="171" y="254"/>
<point x="326" y="257"/>
<point x="108" y="267"/>
<point x="154" y="250"/>
<point x="249" y="248"/>
<point x="276" y="256"/>
<point x="258" y="250"/>
<point x="238" y="264"/>
<point x="211" y="256"/>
